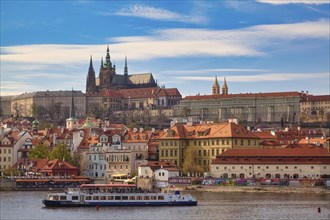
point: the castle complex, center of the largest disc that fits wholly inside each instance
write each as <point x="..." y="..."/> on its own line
<point x="109" y="79"/>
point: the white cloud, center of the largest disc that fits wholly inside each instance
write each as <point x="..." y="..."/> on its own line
<point x="261" y="77"/>
<point x="218" y="71"/>
<point x="170" y="43"/>
<point x="144" y="11"/>
<point x="283" y="2"/>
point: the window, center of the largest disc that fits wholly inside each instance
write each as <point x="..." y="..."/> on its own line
<point x="217" y="168"/>
<point x="286" y="167"/>
<point x="312" y="167"/>
<point x="9" y="159"/>
<point x="62" y="197"/>
<point x="9" y="151"/>
<point x="295" y="167"/>
<point x="267" y="167"/>
<point x="117" y="197"/>
<point x="124" y="198"/>
<point x="277" y="167"/>
<point x="95" y="197"/>
<point x="74" y="197"/>
<point x="110" y="197"/>
<point x="103" y="198"/>
<point x="132" y="198"/>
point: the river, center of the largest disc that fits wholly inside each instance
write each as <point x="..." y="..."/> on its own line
<point x="228" y="205"/>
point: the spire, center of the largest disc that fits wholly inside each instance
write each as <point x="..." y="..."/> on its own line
<point x="90" y="84"/>
<point x="91" y="68"/>
<point x="107" y="58"/>
<point x="125" y="69"/>
<point x="72" y="110"/>
<point x="215" y="87"/>
<point x="224" y="87"/>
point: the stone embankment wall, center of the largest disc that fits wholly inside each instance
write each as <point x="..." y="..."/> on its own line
<point x="7" y="184"/>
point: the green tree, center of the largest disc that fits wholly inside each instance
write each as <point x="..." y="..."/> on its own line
<point x="41" y="151"/>
<point x="190" y="163"/>
<point x="61" y="152"/>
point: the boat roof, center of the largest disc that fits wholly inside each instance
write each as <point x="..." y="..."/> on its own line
<point x="106" y="185"/>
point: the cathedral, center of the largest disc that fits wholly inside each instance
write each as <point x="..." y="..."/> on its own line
<point x="108" y="79"/>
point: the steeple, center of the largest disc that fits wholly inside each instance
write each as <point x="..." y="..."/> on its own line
<point x="215" y="87"/>
<point x="224" y="87"/>
<point x="72" y="110"/>
<point x="91" y="84"/>
<point x="72" y="122"/>
<point x="107" y="59"/>
<point x="125" y="69"/>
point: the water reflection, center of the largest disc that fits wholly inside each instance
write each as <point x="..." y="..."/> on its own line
<point x="27" y="205"/>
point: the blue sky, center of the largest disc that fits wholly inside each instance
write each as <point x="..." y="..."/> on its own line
<point x="258" y="45"/>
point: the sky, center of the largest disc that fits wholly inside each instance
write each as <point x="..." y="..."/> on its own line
<point x="258" y="45"/>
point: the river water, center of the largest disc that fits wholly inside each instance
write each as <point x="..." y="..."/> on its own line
<point x="221" y="205"/>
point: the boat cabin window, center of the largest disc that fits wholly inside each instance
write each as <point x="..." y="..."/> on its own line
<point x="146" y="198"/>
<point x="117" y="197"/>
<point x="124" y="198"/>
<point x="153" y="197"/>
<point x="62" y="197"/>
<point x="95" y="198"/>
<point x="132" y="198"/>
<point x="74" y="197"/>
<point x="160" y="197"/>
<point x="88" y="198"/>
<point x="103" y="198"/>
<point x="139" y="198"/>
<point x="110" y="197"/>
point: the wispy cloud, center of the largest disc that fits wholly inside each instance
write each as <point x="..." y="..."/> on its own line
<point x="206" y="71"/>
<point x="167" y="43"/>
<point x="148" y="12"/>
<point x="261" y="77"/>
<point x="283" y="2"/>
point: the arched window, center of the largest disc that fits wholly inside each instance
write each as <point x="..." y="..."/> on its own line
<point x="225" y="175"/>
<point x="241" y="175"/>
<point x="295" y="176"/>
<point x="268" y="175"/>
<point x="277" y="175"/>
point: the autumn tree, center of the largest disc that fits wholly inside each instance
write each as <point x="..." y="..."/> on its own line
<point x="41" y="151"/>
<point x="61" y="152"/>
<point x="190" y="163"/>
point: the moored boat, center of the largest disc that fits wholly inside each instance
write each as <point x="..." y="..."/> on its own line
<point x="116" y="195"/>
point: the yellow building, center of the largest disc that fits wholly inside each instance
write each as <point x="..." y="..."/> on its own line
<point x="207" y="141"/>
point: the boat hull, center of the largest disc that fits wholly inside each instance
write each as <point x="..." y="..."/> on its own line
<point x="50" y="203"/>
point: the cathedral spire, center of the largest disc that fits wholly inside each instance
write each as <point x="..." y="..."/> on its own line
<point x="107" y="58"/>
<point x="91" y="84"/>
<point x="91" y="68"/>
<point x="224" y="87"/>
<point x="215" y="87"/>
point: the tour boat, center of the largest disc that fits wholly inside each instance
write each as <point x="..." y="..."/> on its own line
<point x="116" y="195"/>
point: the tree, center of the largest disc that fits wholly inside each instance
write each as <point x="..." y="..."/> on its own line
<point x="190" y="163"/>
<point x="61" y="152"/>
<point x="17" y="108"/>
<point x="41" y="151"/>
<point x="97" y="110"/>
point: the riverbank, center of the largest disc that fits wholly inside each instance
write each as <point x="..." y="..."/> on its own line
<point x="256" y="189"/>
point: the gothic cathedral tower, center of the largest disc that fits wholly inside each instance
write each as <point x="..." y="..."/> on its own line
<point x="107" y="73"/>
<point x="91" y="83"/>
<point x="215" y="87"/>
<point x="224" y="87"/>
